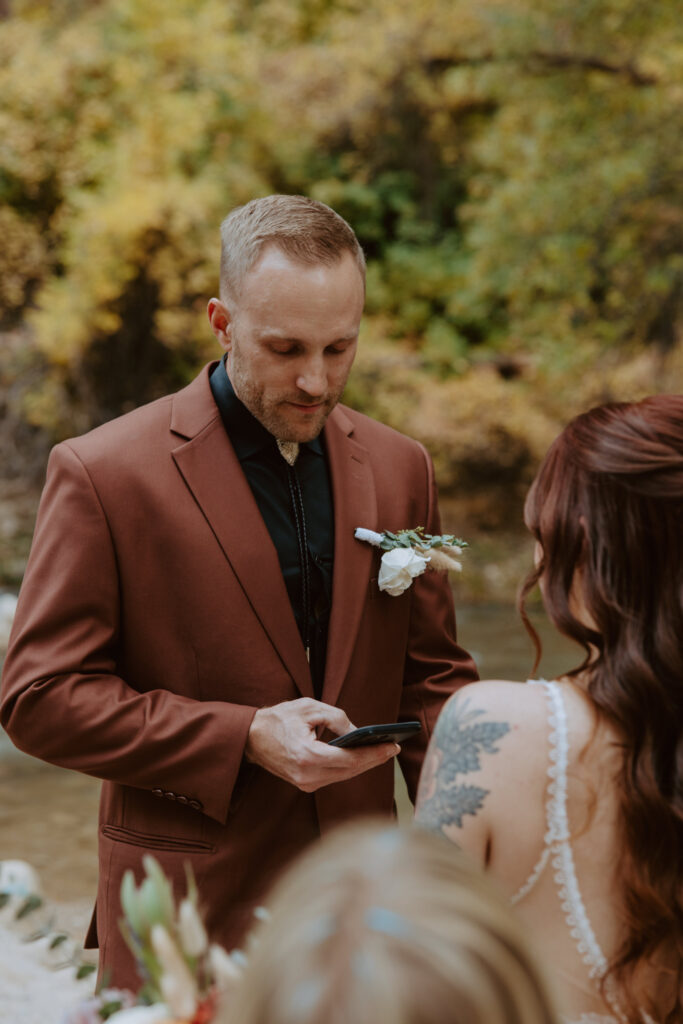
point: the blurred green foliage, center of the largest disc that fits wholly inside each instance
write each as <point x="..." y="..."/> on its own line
<point x="513" y="170"/>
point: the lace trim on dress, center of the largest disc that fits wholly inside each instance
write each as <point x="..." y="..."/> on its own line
<point x="542" y="861"/>
<point x="591" y="1018"/>
<point x="556" y="839"/>
<point x="563" y="859"/>
<point x="557" y="846"/>
<point x="533" y="877"/>
<point x="602" y="1018"/>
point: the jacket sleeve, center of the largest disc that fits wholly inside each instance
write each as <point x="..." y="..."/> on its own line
<point x="435" y="665"/>
<point x="62" y="697"/>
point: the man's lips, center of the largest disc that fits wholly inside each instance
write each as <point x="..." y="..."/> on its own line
<point x="307" y="407"/>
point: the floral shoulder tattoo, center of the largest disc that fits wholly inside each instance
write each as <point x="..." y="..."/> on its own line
<point x="458" y="742"/>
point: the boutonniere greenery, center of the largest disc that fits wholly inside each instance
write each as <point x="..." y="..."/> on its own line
<point x="409" y="552"/>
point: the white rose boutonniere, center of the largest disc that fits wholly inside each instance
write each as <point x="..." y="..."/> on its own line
<point x="408" y="553"/>
<point x="398" y="569"/>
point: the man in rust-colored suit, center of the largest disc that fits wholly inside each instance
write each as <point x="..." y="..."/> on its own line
<point x="197" y="613"/>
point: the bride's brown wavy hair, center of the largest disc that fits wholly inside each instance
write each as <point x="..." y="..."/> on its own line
<point x="608" y="501"/>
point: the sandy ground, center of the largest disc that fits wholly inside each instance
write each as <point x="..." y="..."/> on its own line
<point x="48" y="817"/>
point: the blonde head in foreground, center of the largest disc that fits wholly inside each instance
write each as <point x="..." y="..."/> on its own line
<point x="378" y="925"/>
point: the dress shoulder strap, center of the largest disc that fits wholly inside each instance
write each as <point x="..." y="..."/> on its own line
<point x="557" y="848"/>
<point x="562" y="857"/>
<point x="544" y="857"/>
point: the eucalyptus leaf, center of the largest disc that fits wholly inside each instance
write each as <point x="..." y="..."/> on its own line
<point x="192" y="891"/>
<point x="30" y="904"/>
<point x="130" y="937"/>
<point x="157" y="893"/>
<point x="419" y="540"/>
<point x="107" y="1009"/>
<point x="130" y="903"/>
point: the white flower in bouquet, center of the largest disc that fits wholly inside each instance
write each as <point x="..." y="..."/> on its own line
<point x="177" y="985"/>
<point x="17" y="878"/>
<point x="191" y="931"/>
<point x="184" y="979"/>
<point x="170" y="948"/>
<point x="156" y="1014"/>
<point x="224" y="968"/>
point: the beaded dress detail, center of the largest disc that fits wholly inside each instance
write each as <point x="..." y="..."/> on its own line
<point x="557" y="851"/>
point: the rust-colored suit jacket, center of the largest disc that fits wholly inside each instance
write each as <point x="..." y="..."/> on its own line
<point x="154" y="620"/>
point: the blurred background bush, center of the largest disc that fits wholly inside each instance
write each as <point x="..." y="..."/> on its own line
<point x="513" y="169"/>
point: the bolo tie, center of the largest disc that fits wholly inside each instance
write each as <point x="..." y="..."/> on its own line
<point x="289" y="450"/>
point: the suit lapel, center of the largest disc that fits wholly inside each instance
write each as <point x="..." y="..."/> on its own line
<point x="213" y="474"/>
<point x="353" y="493"/>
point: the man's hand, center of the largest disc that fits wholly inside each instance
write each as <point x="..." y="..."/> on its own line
<point x="282" y="739"/>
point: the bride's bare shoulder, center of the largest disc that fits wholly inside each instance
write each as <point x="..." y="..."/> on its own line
<point x="518" y="700"/>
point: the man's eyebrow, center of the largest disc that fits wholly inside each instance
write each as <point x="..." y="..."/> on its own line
<point x="275" y="335"/>
<point x="346" y="337"/>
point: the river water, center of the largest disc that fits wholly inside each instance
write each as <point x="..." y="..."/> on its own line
<point x="48" y="815"/>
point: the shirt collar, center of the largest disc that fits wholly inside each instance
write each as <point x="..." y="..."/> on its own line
<point x="247" y="434"/>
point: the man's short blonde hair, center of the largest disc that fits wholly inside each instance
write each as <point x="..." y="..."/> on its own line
<point x="304" y="229"/>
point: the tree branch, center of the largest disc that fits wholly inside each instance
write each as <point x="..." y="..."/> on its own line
<point x="577" y="60"/>
<point x="549" y="60"/>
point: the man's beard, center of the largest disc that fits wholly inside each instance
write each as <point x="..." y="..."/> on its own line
<point x="271" y="414"/>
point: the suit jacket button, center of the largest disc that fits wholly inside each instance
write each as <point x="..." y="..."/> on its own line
<point x="170" y="796"/>
<point x="182" y="799"/>
<point x="196" y="804"/>
<point x="157" y="792"/>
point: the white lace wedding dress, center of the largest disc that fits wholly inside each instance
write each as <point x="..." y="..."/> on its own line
<point x="556" y="869"/>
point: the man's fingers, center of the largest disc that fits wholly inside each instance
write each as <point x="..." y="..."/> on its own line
<point x="378" y="752"/>
<point x="327" y="765"/>
<point x="360" y="761"/>
<point x="358" y="758"/>
<point x="365" y="758"/>
<point x="335" y="719"/>
<point x="282" y="740"/>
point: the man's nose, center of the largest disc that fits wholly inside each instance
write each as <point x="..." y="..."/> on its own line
<point x="312" y="379"/>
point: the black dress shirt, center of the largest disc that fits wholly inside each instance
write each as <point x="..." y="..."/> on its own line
<point x="274" y="484"/>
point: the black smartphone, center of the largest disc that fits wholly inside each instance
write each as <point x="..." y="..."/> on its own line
<point x="368" y="735"/>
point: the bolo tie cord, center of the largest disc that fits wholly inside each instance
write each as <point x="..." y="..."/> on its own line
<point x="302" y="543"/>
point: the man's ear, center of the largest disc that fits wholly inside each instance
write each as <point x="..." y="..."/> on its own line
<point x="221" y="322"/>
